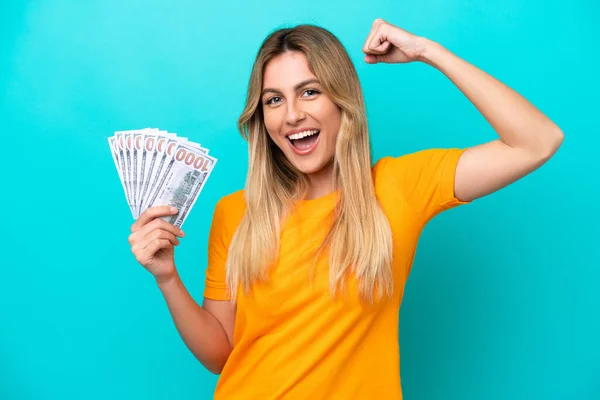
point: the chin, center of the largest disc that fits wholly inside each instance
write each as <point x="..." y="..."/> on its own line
<point x="309" y="167"/>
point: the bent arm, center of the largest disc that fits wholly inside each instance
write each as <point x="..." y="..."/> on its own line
<point x="527" y="138"/>
<point x="201" y="330"/>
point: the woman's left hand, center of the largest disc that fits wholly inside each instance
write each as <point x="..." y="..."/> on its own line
<point x="387" y="43"/>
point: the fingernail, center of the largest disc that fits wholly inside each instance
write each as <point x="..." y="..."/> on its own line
<point x="173" y="209"/>
<point x="182" y="233"/>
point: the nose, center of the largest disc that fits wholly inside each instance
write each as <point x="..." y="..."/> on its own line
<point x="294" y="113"/>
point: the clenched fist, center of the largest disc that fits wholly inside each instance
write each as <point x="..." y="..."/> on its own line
<point x="387" y="43"/>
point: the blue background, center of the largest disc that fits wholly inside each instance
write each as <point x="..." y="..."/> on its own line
<point x="503" y="300"/>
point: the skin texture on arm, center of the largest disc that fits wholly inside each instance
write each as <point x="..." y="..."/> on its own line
<point x="204" y="330"/>
<point x="527" y="138"/>
<point x="224" y="312"/>
<point x="207" y="331"/>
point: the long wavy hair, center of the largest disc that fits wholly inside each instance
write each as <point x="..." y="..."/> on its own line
<point x="360" y="239"/>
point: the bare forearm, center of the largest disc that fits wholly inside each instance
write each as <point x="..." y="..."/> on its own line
<point x="199" y="329"/>
<point x="518" y="123"/>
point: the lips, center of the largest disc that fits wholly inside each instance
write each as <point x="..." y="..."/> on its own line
<point x="304" y="142"/>
<point x="299" y="134"/>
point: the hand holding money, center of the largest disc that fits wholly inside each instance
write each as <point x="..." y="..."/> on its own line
<point x="153" y="242"/>
<point x="158" y="168"/>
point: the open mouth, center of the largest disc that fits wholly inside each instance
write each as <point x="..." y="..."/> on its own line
<point x="304" y="140"/>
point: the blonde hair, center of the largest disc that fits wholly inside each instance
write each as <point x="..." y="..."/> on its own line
<point x="360" y="239"/>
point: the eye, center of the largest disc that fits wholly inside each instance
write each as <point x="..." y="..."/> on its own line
<point x="271" y="100"/>
<point x="311" y="92"/>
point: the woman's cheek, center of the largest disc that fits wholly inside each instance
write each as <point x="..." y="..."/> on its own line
<point x="271" y="123"/>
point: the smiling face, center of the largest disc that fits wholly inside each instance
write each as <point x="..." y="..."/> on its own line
<point x="299" y="117"/>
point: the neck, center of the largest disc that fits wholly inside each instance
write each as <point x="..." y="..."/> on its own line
<point x="320" y="183"/>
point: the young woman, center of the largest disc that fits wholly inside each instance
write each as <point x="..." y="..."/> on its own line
<point x="307" y="265"/>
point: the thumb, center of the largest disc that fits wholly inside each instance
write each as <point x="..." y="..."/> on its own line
<point x="378" y="47"/>
<point x="371" y="59"/>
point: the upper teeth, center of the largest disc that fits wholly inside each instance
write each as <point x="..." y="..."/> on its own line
<point x="302" y="134"/>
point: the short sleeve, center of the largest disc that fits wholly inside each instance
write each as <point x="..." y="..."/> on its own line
<point x="218" y="245"/>
<point x="426" y="179"/>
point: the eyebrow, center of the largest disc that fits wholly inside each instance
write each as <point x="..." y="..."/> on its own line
<point x="297" y="87"/>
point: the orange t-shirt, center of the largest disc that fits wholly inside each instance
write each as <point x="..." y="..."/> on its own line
<point x="291" y="340"/>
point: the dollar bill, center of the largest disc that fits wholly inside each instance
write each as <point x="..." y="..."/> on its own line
<point x="184" y="178"/>
<point x="160" y="168"/>
<point x="137" y="165"/>
<point x="168" y="147"/>
<point x="123" y="163"/>
<point x="136" y="142"/>
<point x="148" y="157"/>
<point x="112" y="142"/>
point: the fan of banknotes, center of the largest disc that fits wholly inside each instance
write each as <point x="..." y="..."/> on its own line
<point x="160" y="168"/>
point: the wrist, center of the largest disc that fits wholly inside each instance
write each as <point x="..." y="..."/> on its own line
<point x="167" y="282"/>
<point x="427" y="50"/>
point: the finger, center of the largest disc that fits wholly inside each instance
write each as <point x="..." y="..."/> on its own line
<point x="374" y="32"/>
<point x="150" y="214"/>
<point x="371" y="59"/>
<point x="142" y="246"/>
<point x="374" y="59"/>
<point x="370" y="35"/>
<point x="156" y="245"/>
<point x="146" y="255"/>
<point x="378" y="47"/>
<point x="159" y="223"/>
<point x="379" y="43"/>
<point x="159" y="234"/>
